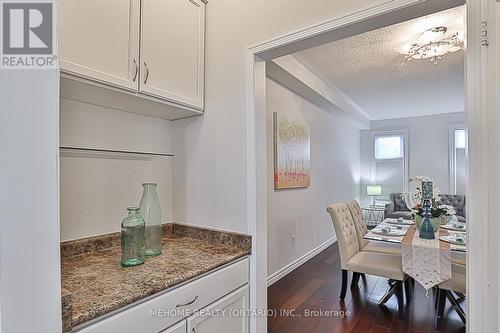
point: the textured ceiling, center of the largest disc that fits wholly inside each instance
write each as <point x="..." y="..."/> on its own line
<point x="368" y="69"/>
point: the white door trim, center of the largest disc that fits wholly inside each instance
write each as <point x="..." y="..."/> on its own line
<point x="481" y="316"/>
<point x="482" y="252"/>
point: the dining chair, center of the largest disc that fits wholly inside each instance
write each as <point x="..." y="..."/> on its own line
<point x="352" y="259"/>
<point x="362" y="230"/>
<point x="378" y="247"/>
<point x="457" y="284"/>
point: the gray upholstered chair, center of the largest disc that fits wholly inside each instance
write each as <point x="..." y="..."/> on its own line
<point x="352" y="259"/>
<point x="456" y="284"/>
<point x="457" y="202"/>
<point x="397" y="207"/>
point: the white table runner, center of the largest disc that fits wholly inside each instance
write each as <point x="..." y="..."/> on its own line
<point x="428" y="261"/>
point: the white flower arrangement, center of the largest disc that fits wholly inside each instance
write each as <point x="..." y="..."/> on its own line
<point x="449" y="210"/>
<point x="418" y="194"/>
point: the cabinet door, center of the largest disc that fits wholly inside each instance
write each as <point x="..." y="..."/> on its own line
<point x="99" y="40"/>
<point x="179" y="328"/>
<point x="172" y="50"/>
<point x="226" y="315"/>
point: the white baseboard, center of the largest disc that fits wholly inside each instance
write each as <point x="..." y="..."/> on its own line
<point x="276" y="276"/>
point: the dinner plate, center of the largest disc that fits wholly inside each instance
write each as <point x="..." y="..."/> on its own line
<point x="454" y="226"/>
<point x="405" y="222"/>
<point x="392" y="232"/>
<point x="452" y="239"/>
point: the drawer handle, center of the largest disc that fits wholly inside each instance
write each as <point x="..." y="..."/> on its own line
<point x="147" y="72"/>
<point x="136" y="71"/>
<point x="188" y="303"/>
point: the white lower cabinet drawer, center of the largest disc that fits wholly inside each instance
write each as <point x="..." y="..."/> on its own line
<point x="179" y="328"/>
<point x="229" y="314"/>
<point x="164" y="310"/>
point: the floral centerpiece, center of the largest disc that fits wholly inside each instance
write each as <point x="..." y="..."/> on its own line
<point x="436" y="211"/>
<point x="414" y="199"/>
<point x="414" y="203"/>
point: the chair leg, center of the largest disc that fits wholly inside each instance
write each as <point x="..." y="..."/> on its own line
<point x="389" y="292"/>
<point x="344" y="284"/>
<point x="460" y="296"/>
<point x="436" y="297"/>
<point x="363" y="277"/>
<point x="355" y="279"/>
<point x="408" y="289"/>
<point x="457" y="306"/>
<point x="400" y="297"/>
<point x="441" y="302"/>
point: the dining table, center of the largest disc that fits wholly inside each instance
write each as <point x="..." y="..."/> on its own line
<point x="391" y="222"/>
<point x="426" y="261"/>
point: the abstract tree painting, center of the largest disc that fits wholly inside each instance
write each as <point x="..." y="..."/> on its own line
<point x="291" y="153"/>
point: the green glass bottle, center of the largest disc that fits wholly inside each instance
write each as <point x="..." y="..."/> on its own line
<point x="150" y="211"/>
<point x="132" y="242"/>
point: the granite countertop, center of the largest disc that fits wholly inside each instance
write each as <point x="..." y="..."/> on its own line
<point x="94" y="283"/>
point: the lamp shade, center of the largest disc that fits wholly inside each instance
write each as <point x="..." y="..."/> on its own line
<point x="373" y="190"/>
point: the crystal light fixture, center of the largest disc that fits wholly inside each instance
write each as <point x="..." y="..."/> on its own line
<point x="433" y="44"/>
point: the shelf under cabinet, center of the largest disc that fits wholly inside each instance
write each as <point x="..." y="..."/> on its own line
<point x="108" y="153"/>
<point x="100" y="94"/>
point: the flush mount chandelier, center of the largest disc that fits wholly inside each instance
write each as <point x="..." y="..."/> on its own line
<point x="433" y="44"/>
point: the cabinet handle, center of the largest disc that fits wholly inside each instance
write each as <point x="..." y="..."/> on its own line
<point x="147" y="72"/>
<point x="193" y="330"/>
<point x="188" y="303"/>
<point x="136" y="71"/>
<point x="194" y="3"/>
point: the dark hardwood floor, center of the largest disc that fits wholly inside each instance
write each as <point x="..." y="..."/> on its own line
<point x="315" y="286"/>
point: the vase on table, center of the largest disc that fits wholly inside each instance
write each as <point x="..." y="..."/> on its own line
<point x="435" y="222"/>
<point x="132" y="239"/>
<point x="151" y="213"/>
<point x="426" y="229"/>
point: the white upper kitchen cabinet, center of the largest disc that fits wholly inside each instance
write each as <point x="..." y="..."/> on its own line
<point x="99" y="40"/>
<point x="172" y="50"/>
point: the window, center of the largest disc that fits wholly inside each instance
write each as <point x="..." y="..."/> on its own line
<point x="388" y="147"/>
<point x="459" y="139"/>
<point x="388" y="165"/>
<point x="458" y="160"/>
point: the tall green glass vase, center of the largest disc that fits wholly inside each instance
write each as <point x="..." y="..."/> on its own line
<point x="151" y="213"/>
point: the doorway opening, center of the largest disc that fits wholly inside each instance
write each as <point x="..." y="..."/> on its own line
<point x="262" y="61"/>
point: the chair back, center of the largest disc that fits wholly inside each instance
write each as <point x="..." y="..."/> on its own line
<point x="359" y="222"/>
<point x="399" y="202"/>
<point x="454" y="200"/>
<point x="345" y="231"/>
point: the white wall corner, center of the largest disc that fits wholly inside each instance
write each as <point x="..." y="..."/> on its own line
<point x="281" y="273"/>
<point x="294" y="75"/>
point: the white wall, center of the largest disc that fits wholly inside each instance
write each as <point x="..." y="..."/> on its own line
<point x="95" y="189"/>
<point x="211" y="155"/>
<point x="29" y="213"/>
<point x="334" y="178"/>
<point x="428" y="147"/>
